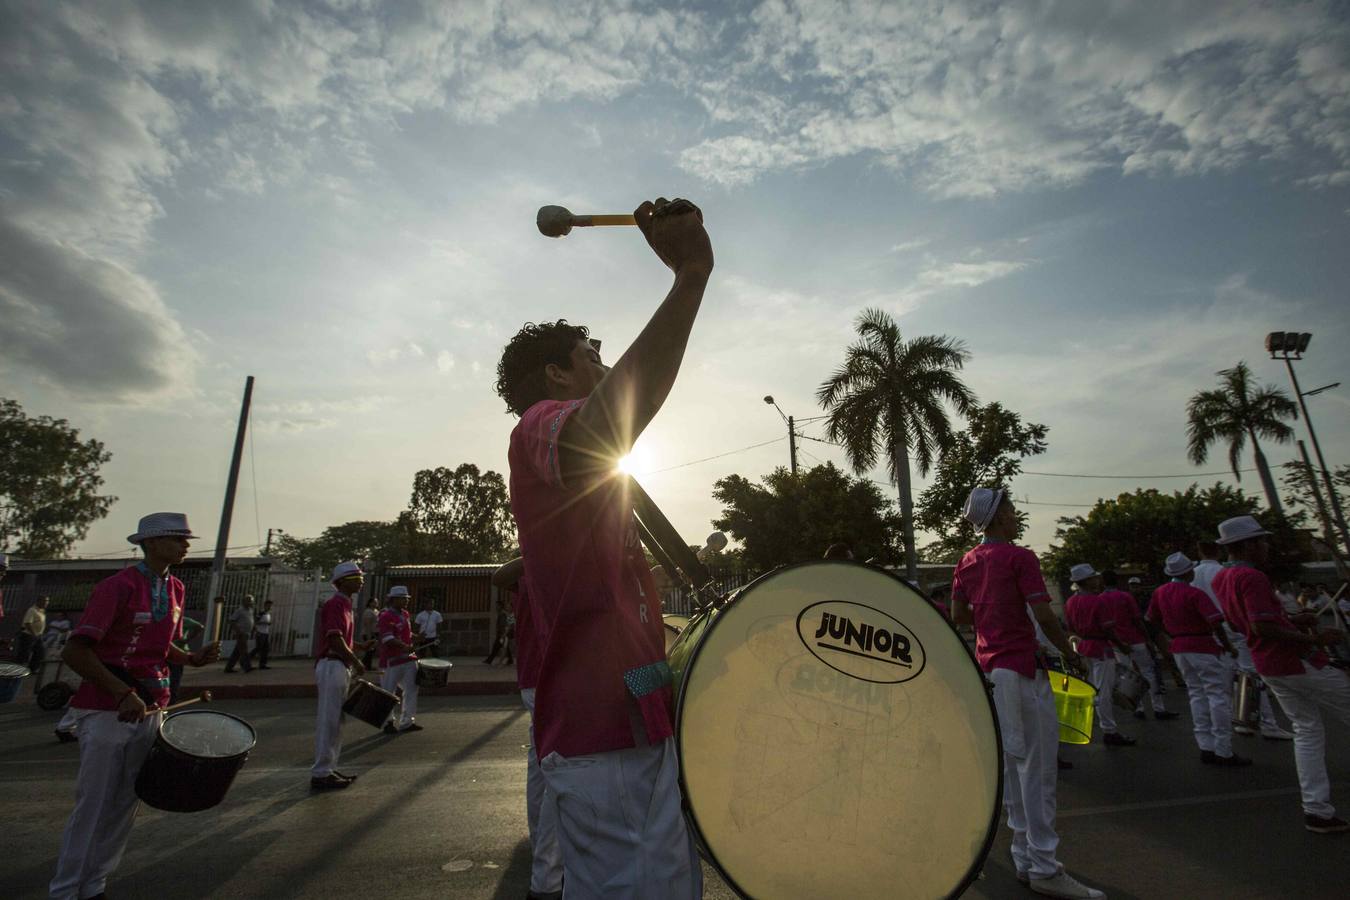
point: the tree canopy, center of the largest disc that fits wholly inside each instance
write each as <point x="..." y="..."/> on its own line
<point x="987" y="453"/>
<point x="790" y="518"/>
<point x="49" y="484"/>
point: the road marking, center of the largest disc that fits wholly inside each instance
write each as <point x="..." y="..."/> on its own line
<point x="1179" y="801"/>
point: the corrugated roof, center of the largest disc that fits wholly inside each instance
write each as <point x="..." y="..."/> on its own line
<point x="457" y="569"/>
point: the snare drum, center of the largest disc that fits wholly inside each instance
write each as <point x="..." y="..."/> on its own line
<point x="196" y="755"/>
<point x="369" y="703"/>
<point x="433" y="672"/>
<point x="1247" y="700"/>
<point x="836" y="739"/>
<point x="1073" y="707"/>
<point x="1130" y="687"/>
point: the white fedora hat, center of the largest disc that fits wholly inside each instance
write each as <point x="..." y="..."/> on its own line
<point x="1240" y="528"/>
<point x="1178" y="564"/>
<point x="161" y="524"/>
<point x="346" y="570"/>
<point x="398" y="590"/>
<point x="981" y="506"/>
<point x="1082" y="572"/>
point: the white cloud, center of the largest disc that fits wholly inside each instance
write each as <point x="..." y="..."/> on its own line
<point x="445" y="361"/>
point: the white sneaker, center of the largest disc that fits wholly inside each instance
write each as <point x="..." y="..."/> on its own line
<point x="1064" y="885"/>
<point x="1243" y="729"/>
<point x="1276" y="734"/>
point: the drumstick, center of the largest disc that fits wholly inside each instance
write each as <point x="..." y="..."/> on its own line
<point x="664" y="534"/>
<point x="557" y="221"/>
<point x="204" y="697"/>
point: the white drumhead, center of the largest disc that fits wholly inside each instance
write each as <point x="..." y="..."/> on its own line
<point x="209" y="734"/>
<point x="435" y="663"/>
<point x="837" y="740"/>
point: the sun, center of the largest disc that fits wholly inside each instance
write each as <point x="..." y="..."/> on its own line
<point x="627" y="465"/>
<point x="636" y="462"/>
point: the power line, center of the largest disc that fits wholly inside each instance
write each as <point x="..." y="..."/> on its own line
<point x="131" y="551"/>
<point x="694" y="462"/>
<point x="1085" y="475"/>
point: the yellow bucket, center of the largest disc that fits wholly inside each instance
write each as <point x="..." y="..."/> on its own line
<point x="1073" y="707"/>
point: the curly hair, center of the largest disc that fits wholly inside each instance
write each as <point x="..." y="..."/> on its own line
<point x="520" y="372"/>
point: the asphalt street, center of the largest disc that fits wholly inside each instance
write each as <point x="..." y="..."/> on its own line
<point x="440" y="814"/>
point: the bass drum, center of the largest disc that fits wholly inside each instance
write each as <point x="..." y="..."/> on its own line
<point x="836" y="739"/>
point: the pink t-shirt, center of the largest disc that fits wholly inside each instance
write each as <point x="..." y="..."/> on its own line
<point x="120" y="619"/>
<point x="1128" y="627"/>
<point x="1088" y="615"/>
<point x="1187" y="615"/>
<point x="527" y="642"/>
<point x="1247" y="597"/>
<point x="999" y="581"/>
<point x="603" y="682"/>
<point x="335" y="617"/>
<point x="395" y="625"/>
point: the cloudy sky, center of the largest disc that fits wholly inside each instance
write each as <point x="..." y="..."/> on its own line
<point x="1107" y="202"/>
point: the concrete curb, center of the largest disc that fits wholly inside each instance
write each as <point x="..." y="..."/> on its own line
<point x="236" y="691"/>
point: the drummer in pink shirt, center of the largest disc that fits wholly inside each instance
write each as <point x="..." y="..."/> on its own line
<point x="122" y="649"/>
<point x="1129" y="627"/>
<point x="603" y="704"/>
<point x="1192" y="629"/>
<point x="993" y="587"/>
<point x="1093" y="619"/>
<point x="1290" y="661"/>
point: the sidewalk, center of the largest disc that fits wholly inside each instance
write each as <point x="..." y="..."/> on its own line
<point x="294" y="677"/>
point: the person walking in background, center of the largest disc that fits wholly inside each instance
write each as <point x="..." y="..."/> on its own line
<point x="29" y="650"/>
<point x="429" y="627"/>
<point x="370" y="631"/>
<point x="262" y="632"/>
<point x="1129" y="627"/>
<point x="191" y="630"/>
<point x="58" y="630"/>
<point x="241" y="629"/>
<point x="1094" y="621"/>
<point x="1292" y="663"/>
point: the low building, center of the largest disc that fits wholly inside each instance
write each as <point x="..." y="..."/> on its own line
<point x="462" y="593"/>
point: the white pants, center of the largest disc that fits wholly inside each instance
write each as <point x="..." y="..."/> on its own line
<point x="1246" y="664"/>
<point x="623" y="834"/>
<point x="111" y="755"/>
<point x="1209" y="681"/>
<point x="332" y="680"/>
<point x="1304" y="698"/>
<point x="402" y="675"/>
<point x="1139" y="656"/>
<point x="69" y="720"/>
<point x="1026" y="717"/>
<point x="1103" y="675"/>
<point x="541" y="811"/>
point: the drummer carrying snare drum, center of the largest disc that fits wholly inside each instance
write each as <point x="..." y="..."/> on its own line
<point x="122" y="649"/>
<point x="1093" y="618"/>
<point x="398" y="660"/>
<point x="334" y="664"/>
<point x="992" y="588"/>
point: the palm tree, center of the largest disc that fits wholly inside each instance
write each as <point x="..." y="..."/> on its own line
<point x="1239" y="409"/>
<point x="887" y="398"/>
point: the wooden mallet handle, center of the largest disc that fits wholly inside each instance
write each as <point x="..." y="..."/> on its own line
<point x="204" y="697"/>
<point x="557" y="221"/>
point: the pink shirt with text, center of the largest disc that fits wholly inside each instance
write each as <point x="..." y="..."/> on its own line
<point x="394" y="625"/>
<point x="120" y="621"/>
<point x="1088" y="615"/>
<point x="1000" y="580"/>
<point x="1247" y="598"/>
<point x="1187" y="615"/>
<point x="602" y="679"/>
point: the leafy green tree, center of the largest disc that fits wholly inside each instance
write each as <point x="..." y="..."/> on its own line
<point x="1301" y="492"/>
<point x="887" y="401"/>
<point x="1140" y="529"/>
<point x="464" y="513"/>
<point x="360" y="540"/>
<point x="1238" y="411"/>
<point x="793" y="518"/>
<point x="988" y="453"/>
<point x="49" y="484"/>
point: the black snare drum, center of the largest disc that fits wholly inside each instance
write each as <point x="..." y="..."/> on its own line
<point x="196" y="756"/>
<point x="433" y="673"/>
<point x="369" y="703"/>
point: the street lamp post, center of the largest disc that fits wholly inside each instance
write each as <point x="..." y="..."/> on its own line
<point x="792" y="432"/>
<point x="1289" y="346"/>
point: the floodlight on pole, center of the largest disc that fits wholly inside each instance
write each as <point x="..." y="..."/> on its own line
<point x="792" y="431"/>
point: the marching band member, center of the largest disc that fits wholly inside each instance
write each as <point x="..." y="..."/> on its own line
<point x="398" y="660"/>
<point x="1203" y="579"/>
<point x="603" y="707"/>
<point x="541" y="810"/>
<point x="121" y="649"/>
<point x="992" y="588"/>
<point x="334" y="664"/>
<point x="1129" y="627"/>
<point x="1094" y="622"/>
<point x="1291" y="662"/>
<point x="1192" y="630"/>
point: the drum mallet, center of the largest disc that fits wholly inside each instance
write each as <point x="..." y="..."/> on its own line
<point x="557" y="221"/>
<point x="204" y="697"/>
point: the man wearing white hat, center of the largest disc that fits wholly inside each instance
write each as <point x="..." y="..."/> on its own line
<point x="993" y="587"/>
<point x="1192" y="629"/>
<point x="122" y="649"/>
<point x="398" y="660"/>
<point x="1202" y="578"/>
<point x="1291" y="662"/>
<point x="335" y="662"/>
<point x="1094" y="621"/>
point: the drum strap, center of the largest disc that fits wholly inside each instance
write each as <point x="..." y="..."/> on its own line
<point x="645" y="679"/>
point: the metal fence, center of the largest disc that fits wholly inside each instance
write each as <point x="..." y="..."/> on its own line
<point x="724" y="581"/>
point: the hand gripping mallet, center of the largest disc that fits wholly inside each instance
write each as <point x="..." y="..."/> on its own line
<point x="556" y="221"/>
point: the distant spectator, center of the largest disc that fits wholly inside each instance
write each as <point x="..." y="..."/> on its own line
<point x="58" y="629"/>
<point x="839" y="551"/>
<point x="429" y="627"/>
<point x="241" y="629"/>
<point x="938" y="597"/>
<point x="262" y="634"/>
<point x="370" y="630"/>
<point x="29" y="650"/>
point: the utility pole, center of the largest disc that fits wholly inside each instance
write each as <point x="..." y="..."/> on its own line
<point x="267" y="548"/>
<point x="792" y="444"/>
<point x="214" y="611"/>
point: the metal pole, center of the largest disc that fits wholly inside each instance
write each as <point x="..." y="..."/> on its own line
<point x="226" y="513"/>
<point x="1336" y="510"/>
<point x="792" y="444"/>
<point x="1328" y="534"/>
